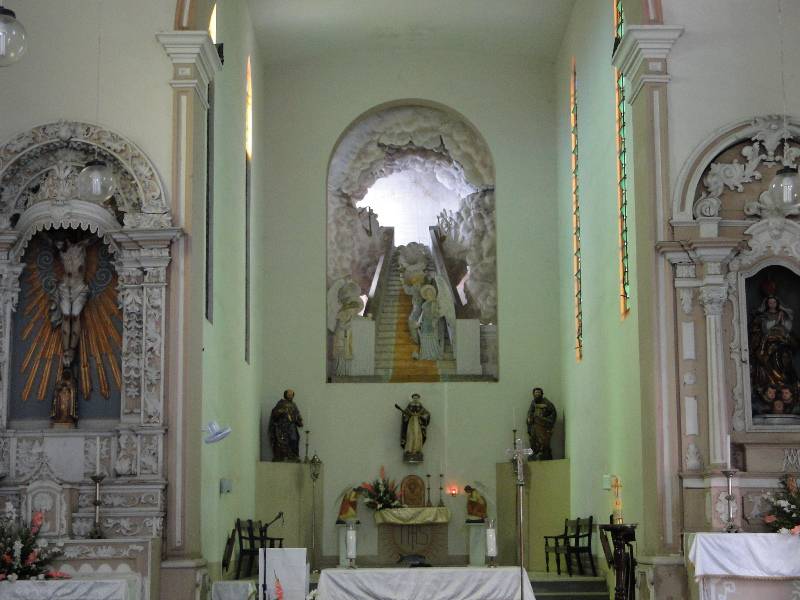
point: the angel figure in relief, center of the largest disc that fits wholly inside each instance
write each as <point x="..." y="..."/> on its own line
<point x="437" y="316"/>
<point x="69" y="321"/>
<point x="344" y="306"/>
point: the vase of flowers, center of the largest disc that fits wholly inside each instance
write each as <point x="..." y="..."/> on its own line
<point x="381" y="493"/>
<point x="784" y="512"/>
<point x="22" y="554"/>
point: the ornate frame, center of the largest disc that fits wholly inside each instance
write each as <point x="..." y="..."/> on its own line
<point x="38" y="171"/>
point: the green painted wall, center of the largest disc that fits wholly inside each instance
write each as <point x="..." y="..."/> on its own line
<point x="603" y="412"/>
<point x="230" y="385"/>
<point x="355" y="427"/>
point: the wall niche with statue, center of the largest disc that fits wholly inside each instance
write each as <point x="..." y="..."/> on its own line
<point x="411" y="249"/>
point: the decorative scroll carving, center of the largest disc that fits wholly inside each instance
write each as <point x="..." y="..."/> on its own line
<point x="78" y="551"/>
<point x="693" y="459"/>
<point x="153" y="345"/>
<point x="791" y="459"/>
<point x="127" y="452"/>
<point x="130" y="296"/>
<point x="148" y="457"/>
<point x="29" y="456"/>
<point x="686" y="296"/>
<point x="713" y="299"/>
<point x="125" y="527"/>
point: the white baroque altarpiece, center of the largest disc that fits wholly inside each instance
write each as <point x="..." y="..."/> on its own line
<point x="49" y="469"/>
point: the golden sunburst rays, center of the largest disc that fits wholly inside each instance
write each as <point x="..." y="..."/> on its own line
<point x="100" y="337"/>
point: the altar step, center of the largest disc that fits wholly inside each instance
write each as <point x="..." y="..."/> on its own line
<point x="549" y="586"/>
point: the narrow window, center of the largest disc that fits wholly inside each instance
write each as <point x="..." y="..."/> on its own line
<point x="209" y="275"/>
<point x="248" y="193"/>
<point x="622" y="171"/>
<point x="576" y="214"/>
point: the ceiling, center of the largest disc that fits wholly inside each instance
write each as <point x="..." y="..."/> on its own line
<point x="302" y="30"/>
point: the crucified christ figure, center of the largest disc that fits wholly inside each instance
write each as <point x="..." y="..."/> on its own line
<point x="71" y="294"/>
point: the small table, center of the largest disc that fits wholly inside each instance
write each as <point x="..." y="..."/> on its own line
<point x="745" y="565"/>
<point x="448" y="583"/>
<point x="413" y="515"/>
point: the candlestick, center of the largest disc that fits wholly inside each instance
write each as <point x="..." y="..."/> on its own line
<point x="441" y="502"/>
<point x="428" y="502"/>
<point x="306" y="458"/>
<point x="491" y="543"/>
<point x="730" y="527"/>
<point x="616" y="486"/>
<point x="350" y="543"/>
<point x="97" y="532"/>
<point x="97" y="457"/>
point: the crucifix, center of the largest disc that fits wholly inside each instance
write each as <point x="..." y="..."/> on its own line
<point x="518" y="456"/>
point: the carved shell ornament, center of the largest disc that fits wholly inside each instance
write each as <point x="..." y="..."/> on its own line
<point x="771" y="144"/>
<point x="41" y="166"/>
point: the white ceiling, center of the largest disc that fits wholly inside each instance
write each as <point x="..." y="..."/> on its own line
<point x="299" y="30"/>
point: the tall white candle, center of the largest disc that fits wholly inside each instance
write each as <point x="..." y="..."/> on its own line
<point x="97" y="457"/>
<point x="728" y="450"/>
<point x="491" y="542"/>
<point x="351" y="543"/>
<point x="445" y="431"/>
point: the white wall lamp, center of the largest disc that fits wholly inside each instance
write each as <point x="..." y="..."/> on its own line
<point x="12" y="38"/>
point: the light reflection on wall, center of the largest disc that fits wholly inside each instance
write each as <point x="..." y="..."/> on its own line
<point x="409" y="201"/>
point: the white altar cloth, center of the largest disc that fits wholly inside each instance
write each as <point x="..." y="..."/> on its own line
<point x="234" y="590"/>
<point x="448" y="583"/>
<point x="67" y="589"/>
<point x="747" y="555"/>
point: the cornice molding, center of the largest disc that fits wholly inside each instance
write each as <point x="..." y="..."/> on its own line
<point x="191" y="48"/>
<point x="645" y="43"/>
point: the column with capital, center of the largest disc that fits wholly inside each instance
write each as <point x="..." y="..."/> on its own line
<point x="713" y="298"/>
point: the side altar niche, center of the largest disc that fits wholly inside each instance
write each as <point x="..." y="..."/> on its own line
<point x="83" y="290"/>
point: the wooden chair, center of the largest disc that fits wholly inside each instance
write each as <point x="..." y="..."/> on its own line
<point x="227" y="554"/>
<point x="581" y="543"/>
<point x="558" y="545"/>
<point x="248" y="546"/>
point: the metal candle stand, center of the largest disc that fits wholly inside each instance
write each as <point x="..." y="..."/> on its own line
<point x="729" y="498"/>
<point x="441" y="501"/>
<point x="519" y="456"/>
<point x="315" y="470"/>
<point x="96" y="532"/>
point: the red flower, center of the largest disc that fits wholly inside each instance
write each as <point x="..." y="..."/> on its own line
<point x="383" y="472"/>
<point x="2" y="576"/>
<point x="36" y="522"/>
<point x="31" y="558"/>
<point x="7" y="558"/>
<point x="795" y="530"/>
<point x="57" y="575"/>
<point x="278" y="589"/>
<point x="770" y="519"/>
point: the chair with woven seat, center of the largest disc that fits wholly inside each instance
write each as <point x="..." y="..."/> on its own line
<point x="581" y="543"/>
<point x="248" y="547"/>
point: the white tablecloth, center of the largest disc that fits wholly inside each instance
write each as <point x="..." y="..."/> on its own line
<point x="233" y="590"/>
<point x="750" y="555"/>
<point x="450" y="583"/>
<point x="68" y="589"/>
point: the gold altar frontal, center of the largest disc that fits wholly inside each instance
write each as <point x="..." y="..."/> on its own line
<point x="404" y="531"/>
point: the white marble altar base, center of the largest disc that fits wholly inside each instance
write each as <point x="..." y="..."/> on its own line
<point x="68" y="589"/>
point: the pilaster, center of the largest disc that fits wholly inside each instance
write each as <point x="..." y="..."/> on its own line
<point x="641" y="57"/>
<point x="195" y="63"/>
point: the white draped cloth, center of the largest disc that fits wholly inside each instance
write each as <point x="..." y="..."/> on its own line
<point x="68" y="589"/>
<point x="746" y="555"/>
<point x="449" y="583"/>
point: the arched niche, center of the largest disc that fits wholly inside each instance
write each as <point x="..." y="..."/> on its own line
<point x="428" y="139"/>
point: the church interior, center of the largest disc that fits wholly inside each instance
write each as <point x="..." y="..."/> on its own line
<point x="400" y="284"/>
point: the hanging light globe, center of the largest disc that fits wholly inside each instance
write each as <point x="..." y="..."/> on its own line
<point x="96" y="182"/>
<point x="12" y="38"/>
<point x="785" y="187"/>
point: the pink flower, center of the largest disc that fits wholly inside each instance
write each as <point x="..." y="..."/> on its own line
<point x="2" y="576"/>
<point x="31" y="558"/>
<point x="36" y="522"/>
<point x="56" y="575"/>
<point x="383" y="472"/>
<point x="770" y="519"/>
<point x="795" y="530"/>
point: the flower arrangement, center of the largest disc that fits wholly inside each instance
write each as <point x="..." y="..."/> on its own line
<point x="22" y="555"/>
<point x="784" y="514"/>
<point x="381" y="493"/>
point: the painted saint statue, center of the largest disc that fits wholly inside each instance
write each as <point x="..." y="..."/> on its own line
<point x="413" y="430"/>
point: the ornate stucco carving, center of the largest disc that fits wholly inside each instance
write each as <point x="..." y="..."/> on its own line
<point x="713" y="298"/>
<point x="686" y="296"/>
<point x="38" y="172"/>
<point x="693" y="459"/>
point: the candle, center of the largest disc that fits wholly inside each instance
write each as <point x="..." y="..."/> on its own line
<point x="514" y="416"/>
<point x="728" y="451"/>
<point x="97" y="457"/>
<point x="351" y="543"/>
<point x="491" y="542"/>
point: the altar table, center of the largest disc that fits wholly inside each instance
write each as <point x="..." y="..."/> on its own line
<point x="448" y="583"/>
<point x="746" y="565"/>
<point x="67" y="589"/>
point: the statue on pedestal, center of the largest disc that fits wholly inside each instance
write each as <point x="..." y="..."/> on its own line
<point x="476" y="505"/>
<point x="348" y="509"/>
<point x="541" y="420"/>
<point x="64" y="408"/>
<point x="413" y="430"/>
<point x="284" y="429"/>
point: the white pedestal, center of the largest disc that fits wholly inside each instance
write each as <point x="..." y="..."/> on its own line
<point x="477" y="544"/>
<point x="342" y="528"/>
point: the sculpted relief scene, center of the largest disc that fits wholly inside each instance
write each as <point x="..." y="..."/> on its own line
<point x="412" y="273"/>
